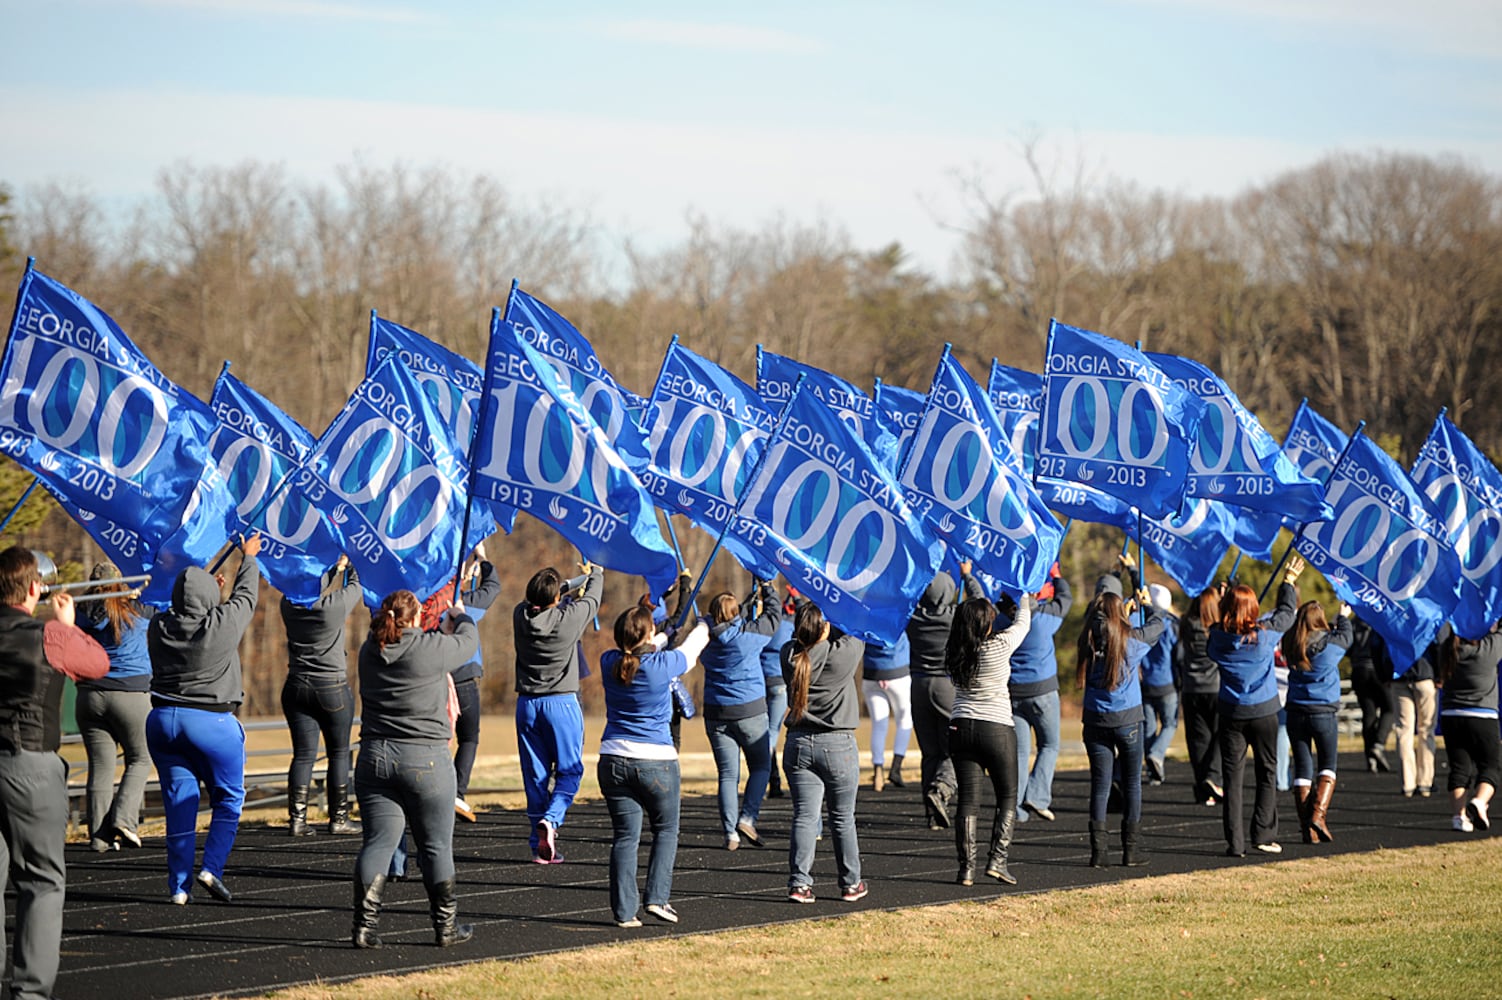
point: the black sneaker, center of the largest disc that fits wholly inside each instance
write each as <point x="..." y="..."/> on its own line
<point x="801" y="894"/>
<point x="854" y="892"/>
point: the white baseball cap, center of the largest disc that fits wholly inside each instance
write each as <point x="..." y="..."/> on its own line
<point x="1159" y="595"/>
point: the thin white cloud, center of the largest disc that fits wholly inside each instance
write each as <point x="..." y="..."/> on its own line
<point x="303" y="9"/>
<point x="717" y="37"/>
<point x="1454" y="27"/>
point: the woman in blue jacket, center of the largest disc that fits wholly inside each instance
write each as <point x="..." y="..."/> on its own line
<point x="777" y="692"/>
<point x="888" y="690"/>
<point x="735" y="709"/>
<point x="638" y="769"/>
<point x="1108" y="654"/>
<point x="112" y="712"/>
<point x="1313" y="651"/>
<point x="1244" y="646"/>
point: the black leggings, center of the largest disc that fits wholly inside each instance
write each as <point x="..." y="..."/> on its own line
<point x="979" y="748"/>
<point x="1474" y="749"/>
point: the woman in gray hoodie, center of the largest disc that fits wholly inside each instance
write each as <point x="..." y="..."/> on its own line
<point x="192" y="731"/>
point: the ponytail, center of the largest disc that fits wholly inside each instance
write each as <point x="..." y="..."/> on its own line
<point x="1449" y="658"/>
<point x="399" y="605"/>
<point x="1104" y="637"/>
<point x="1295" y="644"/>
<point x="633" y="631"/>
<point x="808" y="631"/>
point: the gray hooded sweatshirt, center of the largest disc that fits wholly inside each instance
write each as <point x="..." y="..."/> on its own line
<point x="547" y="641"/>
<point x="195" y="644"/>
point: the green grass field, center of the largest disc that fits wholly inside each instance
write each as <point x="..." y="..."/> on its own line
<point x="1412" y="923"/>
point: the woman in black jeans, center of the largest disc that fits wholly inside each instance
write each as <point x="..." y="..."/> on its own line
<point x="316" y="696"/>
<point x="404" y="775"/>
<point x="982" y="736"/>
<point x="1200" y="695"/>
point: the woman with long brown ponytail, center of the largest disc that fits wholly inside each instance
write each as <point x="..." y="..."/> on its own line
<point x="404" y="775"/>
<point x="1313" y="651"/>
<point x="821" y="757"/>
<point x="638" y="769"/>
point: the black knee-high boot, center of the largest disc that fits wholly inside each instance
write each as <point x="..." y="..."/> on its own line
<point x="1001" y="843"/>
<point x="297" y="811"/>
<point x="339" y="821"/>
<point x="1132" y="854"/>
<point x="1098" y="844"/>
<point x="964" y="849"/>
<point x="444" y="908"/>
<point x="368" y="913"/>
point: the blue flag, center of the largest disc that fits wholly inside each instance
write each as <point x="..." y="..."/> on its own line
<point x="962" y="475"/>
<point x="540" y="451"/>
<point x="1466" y="489"/>
<point x="899" y="410"/>
<point x="1235" y="460"/>
<point x="1113" y="420"/>
<point x="707" y="431"/>
<point x="393" y="480"/>
<point x="121" y="545"/>
<point x="1190" y="545"/>
<point x="1386" y="552"/>
<point x="1313" y="443"/>
<point x="776" y="376"/>
<point x="83" y="409"/>
<point x="579" y="369"/>
<point x="836" y="522"/>
<point x="1017" y="397"/>
<point x="453" y="383"/>
<point x="257" y="447"/>
<point x="1256" y="532"/>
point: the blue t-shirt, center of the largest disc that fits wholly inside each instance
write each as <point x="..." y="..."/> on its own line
<point x="641" y="711"/>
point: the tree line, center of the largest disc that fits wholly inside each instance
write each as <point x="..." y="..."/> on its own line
<point x="1370" y="283"/>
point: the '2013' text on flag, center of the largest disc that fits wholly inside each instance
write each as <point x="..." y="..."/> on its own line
<point x="1191" y="544"/>
<point x="1114" y="420"/>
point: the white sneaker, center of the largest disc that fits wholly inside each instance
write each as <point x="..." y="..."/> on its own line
<point x="1271" y="848"/>
<point x="179" y="899"/>
<point x="1478" y="813"/>
<point x="462" y="809"/>
<point x="1461" y="824"/>
<point x="663" y="912"/>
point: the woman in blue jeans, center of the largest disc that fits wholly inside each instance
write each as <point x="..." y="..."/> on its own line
<point x="1109" y="651"/>
<point x="735" y="708"/>
<point x="638" y="767"/>
<point x="316" y="697"/>
<point x="1313" y="651"/>
<point x="404" y="776"/>
<point x="820" y="757"/>
<point x="112" y="712"/>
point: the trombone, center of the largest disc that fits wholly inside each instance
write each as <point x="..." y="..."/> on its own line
<point x="47" y="570"/>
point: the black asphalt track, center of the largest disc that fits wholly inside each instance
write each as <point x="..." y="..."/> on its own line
<point x="290" y="919"/>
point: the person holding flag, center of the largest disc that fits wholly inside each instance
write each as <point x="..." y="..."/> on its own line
<point x="1200" y="694"/>
<point x="482" y="585"/>
<point x="549" y="723"/>
<point x="1034" y="687"/>
<point x="887" y="687"/>
<point x="1468" y="671"/>
<point x="1313" y="650"/>
<point x="1244" y="645"/>
<point x="1160" y="689"/>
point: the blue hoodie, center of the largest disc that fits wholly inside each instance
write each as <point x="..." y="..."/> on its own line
<point x="1035" y="663"/>
<point x="130" y="663"/>
<point x="1157" y="665"/>
<point x="886" y="663"/>
<point x="1248" y="684"/>
<point x="771" y="654"/>
<point x="1317" y="690"/>
<point x="733" y="684"/>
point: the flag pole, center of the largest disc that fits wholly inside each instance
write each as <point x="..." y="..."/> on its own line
<point x="1237" y="564"/>
<point x="17" y="508"/>
<point x="735" y="512"/>
<point x="1300" y="526"/>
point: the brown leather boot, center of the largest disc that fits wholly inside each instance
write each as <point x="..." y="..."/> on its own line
<point x="1324" y="790"/>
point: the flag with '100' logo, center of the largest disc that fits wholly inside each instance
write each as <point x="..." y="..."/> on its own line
<point x="1189" y="545"/>
<point x="257" y="447"/>
<point x="1113" y="420"/>
<point x="540" y="451"/>
<point x="900" y="410"/>
<point x="707" y="430"/>
<point x="1466" y="489"/>
<point x="83" y="409"/>
<point x="1386" y="552"/>
<point x="392" y="480"/>
<point x="777" y="375"/>
<point x="964" y="477"/>
<point x="835" y="520"/>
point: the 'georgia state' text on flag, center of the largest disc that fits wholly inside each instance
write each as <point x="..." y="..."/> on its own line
<point x="1386" y="552"/>
<point x="1235" y="460"/>
<point x="540" y="451"/>
<point x="1466" y="489"/>
<point x="392" y="480"/>
<point x="707" y="430"/>
<point x="257" y="446"/>
<point x="961" y="475"/>
<point x="1313" y="443"/>
<point x="777" y="375"/>
<point x="1114" y="420"/>
<point x="93" y="418"/>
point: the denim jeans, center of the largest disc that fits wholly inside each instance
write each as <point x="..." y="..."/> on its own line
<point x="1038" y="714"/>
<point x="1284" y="751"/>
<point x="777" y="710"/>
<point x="107" y="719"/>
<point x="401" y="784"/>
<point x="1106" y="746"/>
<point x="727" y="740"/>
<point x="1159" y="710"/>
<point x="190" y="745"/>
<point x="1319" y="728"/>
<point x="820" y="764"/>
<point x="313" y="706"/>
<point x="633" y="788"/>
<point x="467" y="732"/>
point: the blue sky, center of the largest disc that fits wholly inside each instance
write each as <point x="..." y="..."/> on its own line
<point x="857" y="114"/>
